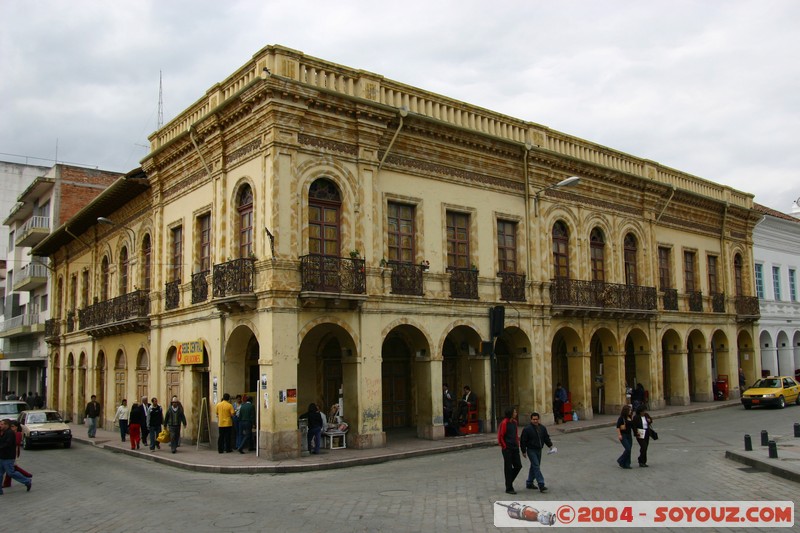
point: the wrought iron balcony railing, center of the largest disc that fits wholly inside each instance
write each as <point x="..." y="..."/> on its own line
<point x="326" y="273"/>
<point x="134" y="305"/>
<point x="695" y="301"/>
<point x="407" y="278"/>
<point x="200" y="287"/>
<point x="512" y="286"/>
<point x="747" y="307"/>
<point x="669" y="299"/>
<point x="52" y="328"/>
<point x="718" y="302"/>
<point x="599" y="294"/>
<point x="234" y="278"/>
<point x="172" y="294"/>
<point x="463" y="283"/>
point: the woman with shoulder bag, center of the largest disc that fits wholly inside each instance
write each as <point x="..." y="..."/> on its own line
<point x="643" y="428"/>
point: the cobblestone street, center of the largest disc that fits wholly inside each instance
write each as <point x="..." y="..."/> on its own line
<point x="90" y="489"/>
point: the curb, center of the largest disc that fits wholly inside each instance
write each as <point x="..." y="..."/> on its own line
<point x="764" y="466"/>
<point x="488" y="441"/>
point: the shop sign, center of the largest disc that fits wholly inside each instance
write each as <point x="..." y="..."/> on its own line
<point x="190" y="353"/>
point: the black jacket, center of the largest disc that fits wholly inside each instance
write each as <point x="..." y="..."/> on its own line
<point x="8" y="445"/>
<point x="534" y="437"/>
<point x="156" y="416"/>
<point x="137" y="416"/>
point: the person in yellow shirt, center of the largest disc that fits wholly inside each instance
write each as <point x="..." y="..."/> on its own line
<point x="225" y="414"/>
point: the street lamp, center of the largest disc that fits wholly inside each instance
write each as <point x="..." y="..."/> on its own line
<point x="567" y="182"/>
<point x="109" y="222"/>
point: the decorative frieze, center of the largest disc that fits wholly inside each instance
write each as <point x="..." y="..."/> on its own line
<point x="242" y="152"/>
<point x="327" y="144"/>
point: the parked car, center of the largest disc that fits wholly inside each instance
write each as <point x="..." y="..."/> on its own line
<point x="772" y="390"/>
<point x="10" y="409"/>
<point x="44" y="426"/>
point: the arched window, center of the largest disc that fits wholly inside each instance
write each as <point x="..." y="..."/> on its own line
<point x="104" y="275"/>
<point x="324" y="205"/>
<point x="597" y="244"/>
<point x="147" y="249"/>
<point x="60" y="297"/>
<point x="631" y="251"/>
<point x="245" y="209"/>
<point x="123" y="270"/>
<point x="738" y="280"/>
<point x="561" y="250"/>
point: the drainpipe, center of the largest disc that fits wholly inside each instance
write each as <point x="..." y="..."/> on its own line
<point x="723" y="258"/>
<point x="528" y="233"/>
<point x="197" y="148"/>
<point x="671" y="194"/>
<point x="403" y="112"/>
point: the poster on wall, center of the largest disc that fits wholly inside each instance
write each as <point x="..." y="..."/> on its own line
<point x="291" y="395"/>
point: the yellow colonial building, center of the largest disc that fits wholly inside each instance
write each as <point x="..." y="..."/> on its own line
<point x="308" y="232"/>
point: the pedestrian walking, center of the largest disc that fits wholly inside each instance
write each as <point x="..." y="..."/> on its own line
<point x="225" y="415"/>
<point x="642" y="426"/>
<point x="146" y="427"/>
<point x="237" y="434"/>
<point x="121" y="417"/>
<point x="92" y="413"/>
<point x="18" y="434"/>
<point x="173" y="419"/>
<point x="509" y="442"/>
<point x="624" y="432"/>
<point x="154" y="422"/>
<point x="534" y="438"/>
<point x="8" y="455"/>
<point x="247" y="419"/>
<point x="136" y="420"/>
<point x="315" y="426"/>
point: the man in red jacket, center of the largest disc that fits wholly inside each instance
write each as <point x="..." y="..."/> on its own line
<point x="509" y="442"/>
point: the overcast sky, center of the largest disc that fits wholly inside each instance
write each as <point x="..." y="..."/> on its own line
<point x="711" y="88"/>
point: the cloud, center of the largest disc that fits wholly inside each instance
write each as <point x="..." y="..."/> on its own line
<point x="708" y="88"/>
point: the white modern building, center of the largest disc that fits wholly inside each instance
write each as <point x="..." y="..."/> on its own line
<point x="14" y="179"/>
<point x="50" y="196"/>
<point x="776" y="253"/>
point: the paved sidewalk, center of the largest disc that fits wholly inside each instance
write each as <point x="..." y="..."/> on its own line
<point x="405" y="444"/>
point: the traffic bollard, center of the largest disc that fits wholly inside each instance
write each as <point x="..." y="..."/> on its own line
<point x="748" y="444"/>
<point x="773" y="450"/>
<point x="764" y="437"/>
<point x="797" y="429"/>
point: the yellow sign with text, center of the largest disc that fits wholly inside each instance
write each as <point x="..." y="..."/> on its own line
<point x="190" y="353"/>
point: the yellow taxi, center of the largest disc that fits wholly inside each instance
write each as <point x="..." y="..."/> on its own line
<point x="772" y="390"/>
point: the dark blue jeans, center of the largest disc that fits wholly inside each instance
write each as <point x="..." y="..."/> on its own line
<point x="314" y="434"/>
<point x="625" y="459"/>
<point x="123" y="428"/>
<point x="535" y="472"/>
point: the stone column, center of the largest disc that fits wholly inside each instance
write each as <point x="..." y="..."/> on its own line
<point x="580" y="383"/>
<point x="701" y="365"/>
<point x="614" y="382"/>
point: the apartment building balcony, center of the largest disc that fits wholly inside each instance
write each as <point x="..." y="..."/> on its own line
<point x="332" y="280"/>
<point x="200" y="286"/>
<point x="172" y="294"/>
<point x="512" y="286"/>
<point x="695" y="299"/>
<point x="30" y="277"/>
<point x="33" y="231"/>
<point x="718" y="302"/>
<point x="19" y="325"/>
<point x="747" y="308"/>
<point x="123" y="314"/>
<point x="52" y="331"/>
<point x="407" y="278"/>
<point x="597" y="298"/>
<point x="233" y="285"/>
<point x="463" y="283"/>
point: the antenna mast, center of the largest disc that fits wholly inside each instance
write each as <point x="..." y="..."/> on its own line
<point x="160" y="103"/>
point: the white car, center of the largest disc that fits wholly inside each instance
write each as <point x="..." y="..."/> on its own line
<point x="44" y="426"/>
